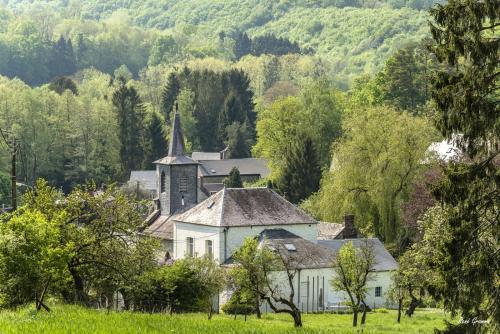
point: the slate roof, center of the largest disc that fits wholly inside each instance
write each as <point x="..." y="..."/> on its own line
<point x="146" y="179"/>
<point x="206" y="155"/>
<point x="213" y="187"/>
<point x="246" y="166"/>
<point x="329" y="231"/>
<point x="162" y="227"/>
<point x="298" y="252"/>
<point x="245" y="207"/>
<point x="384" y="260"/>
<point x="176" y="150"/>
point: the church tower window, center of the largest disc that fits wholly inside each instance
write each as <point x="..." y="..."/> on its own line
<point x="162" y="182"/>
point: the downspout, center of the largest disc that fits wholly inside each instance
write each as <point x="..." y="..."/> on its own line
<point x="225" y="243"/>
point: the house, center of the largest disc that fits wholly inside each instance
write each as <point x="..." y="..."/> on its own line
<point x="217" y="226"/>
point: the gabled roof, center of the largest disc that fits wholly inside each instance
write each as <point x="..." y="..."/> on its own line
<point x="246" y="166"/>
<point x="383" y="259"/>
<point x="162" y="227"/>
<point x="245" y="207"/>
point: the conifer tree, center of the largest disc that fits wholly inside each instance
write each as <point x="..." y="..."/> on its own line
<point x="242" y="45"/>
<point x="157" y="138"/>
<point x="234" y="179"/>
<point x="302" y="173"/>
<point x="466" y="99"/>
<point x="169" y="95"/>
<point x="130" y="114"/>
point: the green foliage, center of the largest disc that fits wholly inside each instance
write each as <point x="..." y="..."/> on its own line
<point x="466" y="36"/>
<point x="240" y="303"/>
<point x="316" y="114"/>
<point x="156" y="138"/>
<point x="373" y="168"/>
<point x="234" y="179"/>
<point x="302" y="172"/>
<point x="353" y="268"/>
<point x="5" y="189"/>
<point x="61" y="84"/>
<point x="32" y="256"/>
<point x="130" y="114"/>
<point x="70" y="318"/>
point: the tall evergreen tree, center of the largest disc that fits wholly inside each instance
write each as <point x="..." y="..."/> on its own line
<point x="466" y="99"/>
<point x="130" y="114"/>
<point x="302" y="173"/>
<point x="234" y="179"/>
<point x="242" y="45"/>
<point x="169" y="95"/>
<point x="157" y="138"/>
<point x="238" y="141"/>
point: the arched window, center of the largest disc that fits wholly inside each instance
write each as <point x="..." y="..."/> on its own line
<point x="162" y="182"/>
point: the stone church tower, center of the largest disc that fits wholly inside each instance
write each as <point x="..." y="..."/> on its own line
<point x="177" y="188"/>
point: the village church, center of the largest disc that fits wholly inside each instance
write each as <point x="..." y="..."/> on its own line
<point x="188" y="223"/>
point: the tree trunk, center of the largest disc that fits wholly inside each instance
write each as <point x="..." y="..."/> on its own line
<point x="413" y="305"/>
<point x="297" y="318"/>
<point x="355" y="318"/>
<point x="363" y="317"/>
<point x="400" y="304"/>
<point x="257" y="308"/>
<point x="80" y="295"/>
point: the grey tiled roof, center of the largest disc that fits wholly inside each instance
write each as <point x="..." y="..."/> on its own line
<point x="213" y="187"/>
<point x="245" y="207"/>
<point x="247" y="166"/>
<point x="384" y="260"/>
<point x="179" y="160"/>
<point x="146" y="179"/>
<point x="206" y="155"/>
<point x="162" y="227"/>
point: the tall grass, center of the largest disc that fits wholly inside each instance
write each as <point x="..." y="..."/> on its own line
<point x="74" y="319"/>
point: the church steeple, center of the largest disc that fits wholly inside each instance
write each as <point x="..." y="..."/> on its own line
<point x="177" y="174"/>
<point x="176" y="146"/>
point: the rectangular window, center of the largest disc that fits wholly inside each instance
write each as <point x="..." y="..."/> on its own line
<point x="209" y="249"/>
<point x="189" y="247"/>
<point x="183" y="184"/>
<point x="378" y="291"/>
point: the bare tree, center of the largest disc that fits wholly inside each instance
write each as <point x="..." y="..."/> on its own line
<point x="353" y="268"/>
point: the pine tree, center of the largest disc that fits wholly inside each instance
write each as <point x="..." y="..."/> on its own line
<point x="169" y="95"/>
<point x="466" y="99"/>
<point x="130" y="114"/>
<point x="238" y="141"/>
<point x="242" y="45"/>
<point x="234" y="179"/>
<point x="302" y="173"/>
<point x="158" y="145"/>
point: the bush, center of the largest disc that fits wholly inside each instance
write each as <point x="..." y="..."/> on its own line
<point x="381" y="310"/>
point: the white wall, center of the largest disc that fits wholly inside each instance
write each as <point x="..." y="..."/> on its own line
<point x="308" y="296"/>
<point x="200" y="233"/>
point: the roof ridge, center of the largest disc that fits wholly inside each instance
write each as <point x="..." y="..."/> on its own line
<point x="296" y="208"/>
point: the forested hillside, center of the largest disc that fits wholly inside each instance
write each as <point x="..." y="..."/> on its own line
<point x="352" y="37"/>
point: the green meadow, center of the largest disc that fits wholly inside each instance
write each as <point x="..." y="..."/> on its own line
<point x="74" y="319"/>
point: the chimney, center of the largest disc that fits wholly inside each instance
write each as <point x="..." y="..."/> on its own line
<point x="350" y="231"/>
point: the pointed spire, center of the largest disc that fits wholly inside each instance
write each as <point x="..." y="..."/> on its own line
<point x="176" y="147"/>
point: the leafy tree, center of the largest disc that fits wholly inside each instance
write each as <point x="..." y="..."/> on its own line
<point x="302" y="173"/>
<point x="32" y="257"/>
<point x="5" y="189"/>
<point x="466" y="99"/>
<point x="353" y="269"/>
<point x="234" y="179"/>
<point x="240" y="303"/>
<point x="257" y="263"/>
<point x="373" y="169"/>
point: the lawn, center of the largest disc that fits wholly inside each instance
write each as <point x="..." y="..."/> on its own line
<point x="73" y="319"/>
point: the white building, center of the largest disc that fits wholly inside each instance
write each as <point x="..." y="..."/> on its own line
<point x="218" y="225"/>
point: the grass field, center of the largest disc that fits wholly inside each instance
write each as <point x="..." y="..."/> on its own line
<point x="73" y="319"/>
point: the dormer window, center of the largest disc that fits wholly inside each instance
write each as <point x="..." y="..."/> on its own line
<point x="162" y="182"/>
